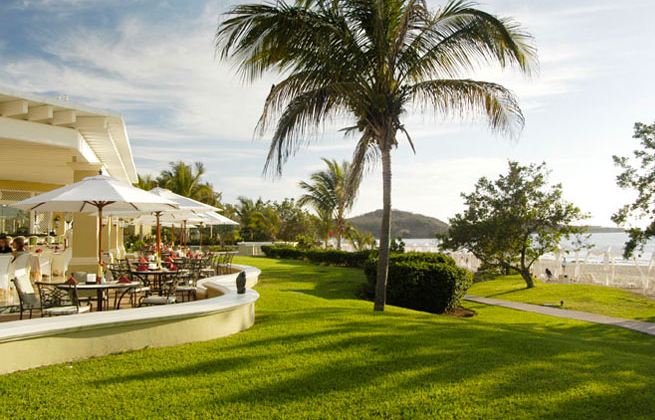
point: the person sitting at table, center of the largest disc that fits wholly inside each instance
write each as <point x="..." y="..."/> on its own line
<point x="5" y="248"/>
<point x="19" y="246"/>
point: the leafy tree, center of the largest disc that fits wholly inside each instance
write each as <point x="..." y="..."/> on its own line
<point x="514" y="220"/>
<point x="639" y="175"/>
<point x="331" y="195"/>
<point x="186" y="180"/>
<point x="369" y="61"/>
<point x="294" y="221"/>
<point x="145" y="182"/>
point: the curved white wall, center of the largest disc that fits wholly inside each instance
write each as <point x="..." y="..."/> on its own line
<point x="44" y="341"/>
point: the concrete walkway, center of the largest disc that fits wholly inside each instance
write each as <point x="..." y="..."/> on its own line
<point x="639" y="326"/>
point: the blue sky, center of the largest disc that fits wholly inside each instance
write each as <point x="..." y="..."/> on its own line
<point x="152" y="61"/>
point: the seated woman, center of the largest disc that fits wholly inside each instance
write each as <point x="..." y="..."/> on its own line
<point x="19" y="246"/>
<point x="5" y="248"/>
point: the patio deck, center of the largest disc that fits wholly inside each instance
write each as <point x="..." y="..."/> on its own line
<point x="75" y="337"/>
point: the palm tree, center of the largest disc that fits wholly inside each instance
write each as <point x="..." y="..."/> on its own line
<point x="186" y="180"/>
<point x="145" y="182"/>
<point x="369" y="60"/>
<point x="331" y="196"/>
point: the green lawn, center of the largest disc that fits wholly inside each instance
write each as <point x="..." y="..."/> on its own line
<point x="318" y="351"/>
<point x="580" y="297"/>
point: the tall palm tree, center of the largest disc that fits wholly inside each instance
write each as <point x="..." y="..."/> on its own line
<point x="369" y="60"/>
<point x="186" y="180"/>
<point x="331" y="195"/>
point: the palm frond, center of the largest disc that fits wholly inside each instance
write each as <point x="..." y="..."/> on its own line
<point x="459" y="38"/>
<point x="471" y="98"/>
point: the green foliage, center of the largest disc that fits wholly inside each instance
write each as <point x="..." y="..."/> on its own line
<point x="638" y="175"/>
<point x="331" y="193"/>
<point x="271" y="220"/>
<point x="360" y="240"/>
<point x="186" y="180"/>
<point x="318" y="255"/>
<point x="222" y="248"/>
<point x="370" y="61"/>
<point x="397" y="246"/>
<point x="512" y="221"/>
<point x="422" y="281"/>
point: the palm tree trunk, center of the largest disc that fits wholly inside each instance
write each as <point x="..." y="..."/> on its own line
<point x="338" y="231"/>
<point x="383" y="258"/>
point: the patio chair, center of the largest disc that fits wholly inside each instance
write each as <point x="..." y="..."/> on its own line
<point x="123" y="269"/>
<point x="56" y="301"/>
<point x="207" y="268"/>
<point x="169" y="289"/>
<point x="145" y="289"/>
<point x="187" y="285"/>
<point x="227" y="262"/>
<point x="27" y="299"/>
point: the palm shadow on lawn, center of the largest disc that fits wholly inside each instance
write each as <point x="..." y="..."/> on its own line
<point x="384" y="356"/>
<point x="295" y="355"/>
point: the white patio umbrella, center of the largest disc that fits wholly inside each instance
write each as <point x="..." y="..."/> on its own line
<point x="170" y="218"/>
<point x="97" y="194"/>
<point x="186" y="205"/>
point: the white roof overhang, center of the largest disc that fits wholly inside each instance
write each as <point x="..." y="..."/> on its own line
<point x="98" y="136"/>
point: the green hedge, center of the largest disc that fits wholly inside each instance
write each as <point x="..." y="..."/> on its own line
<point x="422" y="281"/>
<point x="317" y="255"/>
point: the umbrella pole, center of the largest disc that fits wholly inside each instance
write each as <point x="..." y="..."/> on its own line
<point x="173" y="234"/>
<point x="99" y="271"/>
<point x="200" y="239"/>
<point x="158" y="238"/>
<point x="100" y="235"/>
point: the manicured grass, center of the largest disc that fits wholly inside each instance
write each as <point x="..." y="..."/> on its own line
<point x="318" y="351"/>
<point x="580" y="297"/>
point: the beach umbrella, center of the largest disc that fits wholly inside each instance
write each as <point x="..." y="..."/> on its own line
<point x="97" y="194"/>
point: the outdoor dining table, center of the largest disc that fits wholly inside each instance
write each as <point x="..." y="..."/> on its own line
<point x="154" y="276"/>
<point x="102" y="287"/>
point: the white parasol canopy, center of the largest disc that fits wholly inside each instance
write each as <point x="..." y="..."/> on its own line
<point x="92" y="193"/>
<point x="95" y="194"/>
<point x="169" y="218"/>
<point x="184" y="203"/>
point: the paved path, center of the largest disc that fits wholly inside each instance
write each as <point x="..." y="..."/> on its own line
<point x="639" y="326"/>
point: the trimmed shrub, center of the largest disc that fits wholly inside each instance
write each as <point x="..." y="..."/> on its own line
<point x="318" y="255"/>
<point x="422" y="281"/>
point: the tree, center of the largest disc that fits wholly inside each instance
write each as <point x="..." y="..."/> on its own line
<point x="514" y="220"/>
<point x="295" y="222"/>
<point x="360" y="240"/>
<point x="145" y="182"/>
<point x="369" y="61"/>
<point x="331" y="196"/>
<point x="186" y="180"/>
<point x="638" y="175"/>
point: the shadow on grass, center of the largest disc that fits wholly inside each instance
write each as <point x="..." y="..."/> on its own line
<point x="395" y="356"/>
<point x="340" y="359"/>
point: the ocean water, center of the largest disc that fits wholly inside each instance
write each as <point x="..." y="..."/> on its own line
<point x="612" y="242"/>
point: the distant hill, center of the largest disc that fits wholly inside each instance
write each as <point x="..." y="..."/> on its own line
<point x="403" y="224"/>
<point x="602" y="229"/>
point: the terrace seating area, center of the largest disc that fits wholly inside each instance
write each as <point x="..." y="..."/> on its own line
<point x="131" y="282"/>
